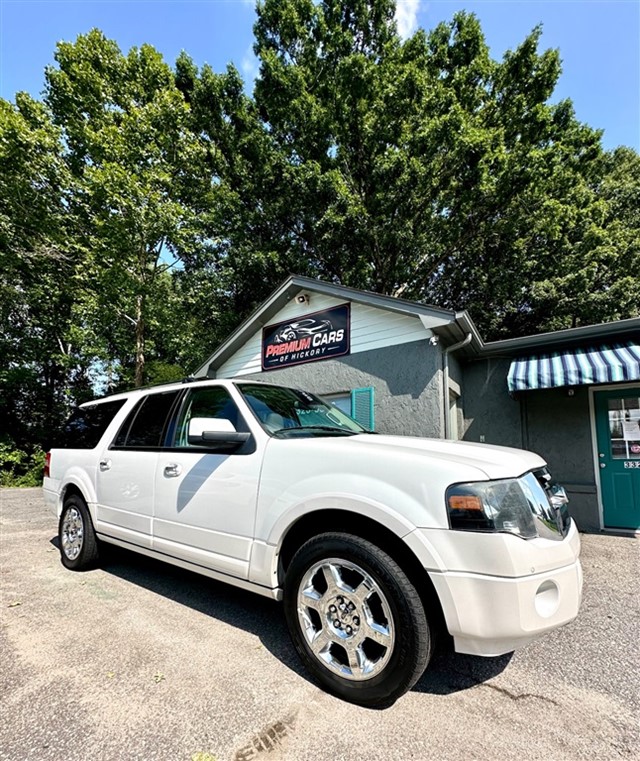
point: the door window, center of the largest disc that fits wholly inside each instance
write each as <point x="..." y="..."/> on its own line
<point x="145" y="425"/>
<point x="211" y="402"/>
<point x="624" y="428"/>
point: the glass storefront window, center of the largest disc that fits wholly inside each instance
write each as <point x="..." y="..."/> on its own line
<point x="624" y="428"/>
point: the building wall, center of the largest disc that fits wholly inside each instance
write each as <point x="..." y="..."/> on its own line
<point x="559" y="428"/>
<point x="456" y="385"/>
<point x="371" y="328"/>
<point x="407" y="379"/>
<point x="548" y="421"/>
<point x="490" y="413"/>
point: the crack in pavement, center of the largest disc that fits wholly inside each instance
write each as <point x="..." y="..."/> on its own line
<point x="522" y="696"/>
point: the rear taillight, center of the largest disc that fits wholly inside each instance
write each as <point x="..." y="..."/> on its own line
<point x="47" y="464"/>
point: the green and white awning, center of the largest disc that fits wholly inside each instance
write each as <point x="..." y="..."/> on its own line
<point x="612" y="363"/>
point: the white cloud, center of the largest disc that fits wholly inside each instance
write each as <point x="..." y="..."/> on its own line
<point x="407" y="17"/>
<point x="249" y="66"/>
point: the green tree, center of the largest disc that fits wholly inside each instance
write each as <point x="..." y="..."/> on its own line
<point x="41" y="350"/>
<point x="247" y="249"/>
<point x="140" y="184"/>
<point x="145" y="210"/>
<point x="426" y="169"/>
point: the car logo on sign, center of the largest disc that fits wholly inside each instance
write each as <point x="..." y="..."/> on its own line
<point x="295" y="330"/>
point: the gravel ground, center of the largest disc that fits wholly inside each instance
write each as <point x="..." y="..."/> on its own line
<point x="140" y="660"/>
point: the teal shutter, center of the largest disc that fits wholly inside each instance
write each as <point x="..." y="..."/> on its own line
<point x="362" y="406"/>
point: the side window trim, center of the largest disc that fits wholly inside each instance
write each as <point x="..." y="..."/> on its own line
<point x="172" y="419"/>
<point x="127" y="422"/>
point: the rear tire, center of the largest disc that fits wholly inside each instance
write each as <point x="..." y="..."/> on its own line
<point x="78" y="543"/>
<point x="356" y="619"/>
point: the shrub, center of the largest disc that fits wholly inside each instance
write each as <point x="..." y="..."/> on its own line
<point x="19" y="467"/>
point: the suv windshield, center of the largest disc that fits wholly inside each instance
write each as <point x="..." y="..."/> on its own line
<point x="290" y="412"/>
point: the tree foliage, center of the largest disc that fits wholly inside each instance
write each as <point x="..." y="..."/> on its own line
<point x="41" y="356"/>
<point x="138" y="169"/>
<point x="425" y="169"/>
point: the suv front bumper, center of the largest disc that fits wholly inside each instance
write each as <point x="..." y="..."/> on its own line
<point x="517" y="591"/>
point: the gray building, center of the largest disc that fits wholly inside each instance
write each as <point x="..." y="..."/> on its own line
<point x="401" y="367"/>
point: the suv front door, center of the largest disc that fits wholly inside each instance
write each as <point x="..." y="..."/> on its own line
<point x="205" y="500"/>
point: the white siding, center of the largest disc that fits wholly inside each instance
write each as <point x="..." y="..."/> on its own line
<point x="371" y="328"/>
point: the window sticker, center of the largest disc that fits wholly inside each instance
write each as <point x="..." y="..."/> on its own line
<point x="631" y="430"/>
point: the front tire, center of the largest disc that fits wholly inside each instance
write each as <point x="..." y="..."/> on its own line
<point x="78" y="543"/>
<point x="356" y="619"/>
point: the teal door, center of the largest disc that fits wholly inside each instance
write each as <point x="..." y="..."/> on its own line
<point x="618" y="437"/>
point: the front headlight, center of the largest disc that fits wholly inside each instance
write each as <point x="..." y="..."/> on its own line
<point x="517" y="506"/>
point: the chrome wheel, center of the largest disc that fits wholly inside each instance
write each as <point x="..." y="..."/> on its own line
<point x="72" y="533"/>
<point x="346" y="619"/>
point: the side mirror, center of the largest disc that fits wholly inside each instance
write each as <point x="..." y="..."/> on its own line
<point x="558" y="496"/>
<point x="216" y="433"/>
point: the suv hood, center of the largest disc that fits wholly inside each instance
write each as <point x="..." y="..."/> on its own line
<point x="493" y="461"/>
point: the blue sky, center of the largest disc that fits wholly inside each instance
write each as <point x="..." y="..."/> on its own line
<point x="599" y="42"/>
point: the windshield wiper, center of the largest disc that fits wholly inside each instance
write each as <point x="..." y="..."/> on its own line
<point x="328" y="428"/>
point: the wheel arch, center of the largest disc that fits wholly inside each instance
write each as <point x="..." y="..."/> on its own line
<point x="77" y="481"/>
<point x="72" y="489"/>
<point x="348" y="522"/>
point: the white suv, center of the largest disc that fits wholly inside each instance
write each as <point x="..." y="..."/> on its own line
<point x="372" y="541"/>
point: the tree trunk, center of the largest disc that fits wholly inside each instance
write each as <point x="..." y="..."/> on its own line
<point x="139" y="376"/>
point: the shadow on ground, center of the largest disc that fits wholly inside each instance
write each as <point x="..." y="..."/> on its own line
<point x="448" y="672"/>
<point x="451" y="672"/>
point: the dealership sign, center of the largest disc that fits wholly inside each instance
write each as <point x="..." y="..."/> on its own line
<point x="320" y="335"/>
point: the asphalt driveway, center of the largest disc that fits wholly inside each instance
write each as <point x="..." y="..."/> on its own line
<point x="140" y="660"/>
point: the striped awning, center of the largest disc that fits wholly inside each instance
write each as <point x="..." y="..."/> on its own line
<point x="579" y="367"/>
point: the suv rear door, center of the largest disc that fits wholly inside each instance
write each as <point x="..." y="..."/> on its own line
<point x="125" y="480"/>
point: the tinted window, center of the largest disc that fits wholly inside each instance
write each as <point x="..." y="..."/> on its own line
<point x="86" y="426"/>
<point x="209" y="402"/>
<point x="146" y="423"/>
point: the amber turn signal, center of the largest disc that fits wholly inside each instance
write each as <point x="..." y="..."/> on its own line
<point x="465" y="502"/>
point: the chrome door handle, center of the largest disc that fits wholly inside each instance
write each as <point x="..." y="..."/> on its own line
<point x="105" y="464"/>
<point x="603" y="465"/>
<point x="172" y="470"/>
